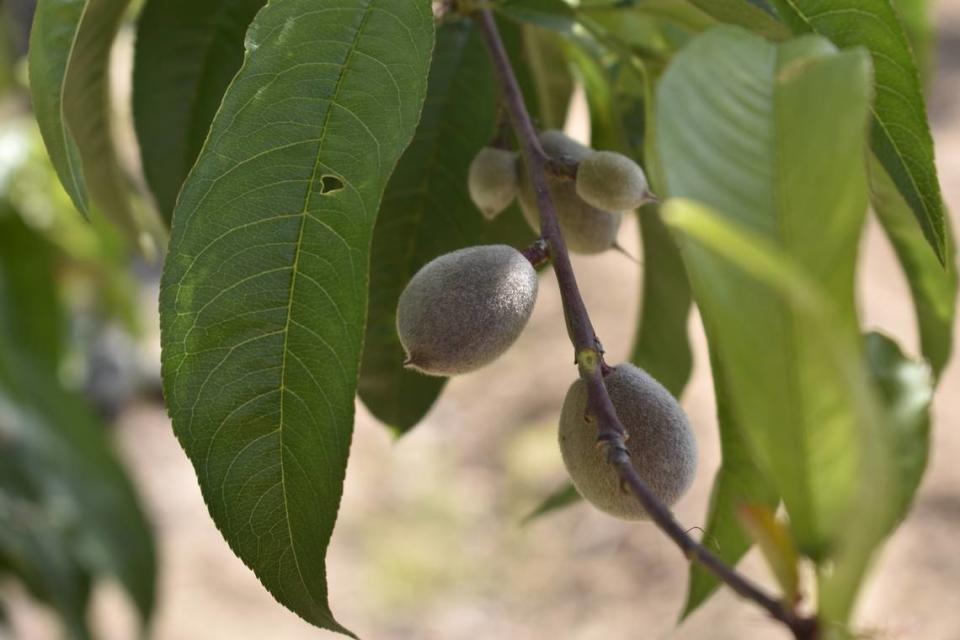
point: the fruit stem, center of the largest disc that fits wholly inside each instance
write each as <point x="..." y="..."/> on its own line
<point x="589" y="353"/>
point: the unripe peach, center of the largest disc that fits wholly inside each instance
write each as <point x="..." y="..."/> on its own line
<point x="463" y="309"/>
<point x="661" y="443"/>
<point x="586" y="229"/>
<point x="612" y="181"/>
<point x="492" y="180"/>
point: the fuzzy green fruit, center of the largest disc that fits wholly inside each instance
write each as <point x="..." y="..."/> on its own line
<point x="612" y="181"/>
<point x="462" y="310"/>
<point x="660" y="441"/>
<point x="586" y="229"/>
<point x="492" y="180"/>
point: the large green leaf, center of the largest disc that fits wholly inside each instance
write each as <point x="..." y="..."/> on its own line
<point x="900" y="135"/>
<point x="187" y="52"/>
<point x="69" y="80"/>
<point x="427" y="211"/>
<point x="742" y="127"/>
<point x="846" y="443"/>
<point x="264" y="296"/>
<point x="932" y="285"/>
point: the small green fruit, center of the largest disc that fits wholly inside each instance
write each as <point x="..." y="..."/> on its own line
<point x="492" y="180"/>
<point x="586" y="229"/>
<point x="612" y="181"/>
<point x="462" y="310"/>
<point x="660" y="441"/>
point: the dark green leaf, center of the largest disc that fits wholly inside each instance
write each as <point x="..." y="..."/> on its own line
<point x="187" y="52"/>
<point x="744" y="14"/>
<point x="742" y="127"/>
<point x="29" y="297"/>
<point x="562" y="497"/>
<point x="69" y="80"/>
<point x="264" y="296"/>
<point x="900" y="135"/>
<point x="933" y="286"/>
<point x="427" y="211"/>
<point x="906" y="388"/>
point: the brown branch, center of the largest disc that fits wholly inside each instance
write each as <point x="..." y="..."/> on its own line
<point x="589" y="353"/>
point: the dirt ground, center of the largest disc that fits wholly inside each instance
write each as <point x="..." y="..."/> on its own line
<point x="428" y="544"/>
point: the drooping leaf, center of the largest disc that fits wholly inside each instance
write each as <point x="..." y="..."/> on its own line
<point x="562" y="497"/>
<point x="933" y="286"/>
<point x="427" y="211"/>
<point x="849" y="448"/>
<point x="738" y="481"/>
<point x="264" y="296"/>
<point x="69" y="81"/>
<point x="186" y="54"/>
<point x="900" y="135"/>
<point x="740" y="121"/>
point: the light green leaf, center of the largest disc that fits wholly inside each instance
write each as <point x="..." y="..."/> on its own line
<point x="900" y="135"/>
<point x="187" y="52"/>
<point x="847" y="445"/>
<point x="742" y="127"/>
<point x="69" y="81"/>
<point x="264" y="296"/>
<point x="427" y="211"/>
<point x="550" y="14"/>
<point x="932" y="285"/>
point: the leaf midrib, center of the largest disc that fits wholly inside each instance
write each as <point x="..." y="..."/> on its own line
<point x="344" y="66"/>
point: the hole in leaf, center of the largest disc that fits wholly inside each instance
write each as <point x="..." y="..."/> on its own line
<point x="330" y="184"/>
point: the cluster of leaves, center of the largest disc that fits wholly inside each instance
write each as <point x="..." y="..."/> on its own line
<point x="310" y="156"/>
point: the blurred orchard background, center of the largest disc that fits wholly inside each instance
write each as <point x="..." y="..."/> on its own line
<point x="429" y="543"/>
